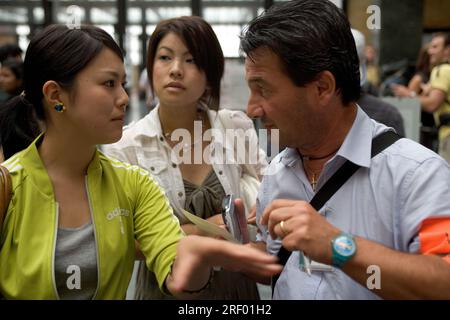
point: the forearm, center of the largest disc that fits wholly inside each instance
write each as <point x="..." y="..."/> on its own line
<point x="403" y="275"/>
<point x="198" y="282"/>
<point x="428" y="104"/>
<point x="191" y="229"/>
<point x="414" y="84"/>
<point x="260" y="245"/>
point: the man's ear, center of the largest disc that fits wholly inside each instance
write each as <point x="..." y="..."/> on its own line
<point x="326" y="86"/>
<point x="447" y="51"/>
<point x="52" y="92"/>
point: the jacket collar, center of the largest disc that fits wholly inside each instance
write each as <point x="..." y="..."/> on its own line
<point x="35" y="168"/>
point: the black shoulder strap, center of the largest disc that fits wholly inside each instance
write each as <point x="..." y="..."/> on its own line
<point x="379" y="143"/>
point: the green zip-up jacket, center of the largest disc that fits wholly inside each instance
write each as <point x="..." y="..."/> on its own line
<point x="126" y="203"/>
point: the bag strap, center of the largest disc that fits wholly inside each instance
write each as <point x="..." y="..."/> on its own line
<point x="5" y="192"/>
<point x="379" y="143"/>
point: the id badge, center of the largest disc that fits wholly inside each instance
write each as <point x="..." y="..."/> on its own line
<point x="307" y="265"/>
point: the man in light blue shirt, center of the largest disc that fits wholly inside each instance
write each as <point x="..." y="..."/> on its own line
<point x="385" y="231"/>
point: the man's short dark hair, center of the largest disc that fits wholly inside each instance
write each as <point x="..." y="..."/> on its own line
<point x="9" y="50"/>
<point x="309" y="36"/>
<point x="445" y="35"/>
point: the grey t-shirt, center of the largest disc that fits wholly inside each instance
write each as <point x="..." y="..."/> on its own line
<point x="76" y="263"/>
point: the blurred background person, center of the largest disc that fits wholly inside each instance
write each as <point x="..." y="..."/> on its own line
<point x="375" y="108"/>
<point x="436" y="96"/>
<point x="372" y="69"/>
<point x="8" y="51"/>
<point x="11" y="77"/>
<point x="416" y="86"/>
<point x="17" y="129"/>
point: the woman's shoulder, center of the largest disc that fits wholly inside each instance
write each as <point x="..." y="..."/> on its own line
<point x="235" y="119"/>
<point x="137" y="134"/>
<point x="127" y="174"/>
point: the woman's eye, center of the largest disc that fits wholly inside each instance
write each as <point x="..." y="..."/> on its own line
<point x="109" y="83"/>
<point x="164" y="58"/>
<point x="190" y="60"/>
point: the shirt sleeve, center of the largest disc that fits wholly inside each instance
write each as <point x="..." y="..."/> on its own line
<point x="255" y="157"/>
<point x="124" y="154"/>
<point x="426" y="194"/>
<point x="440" y="78"/>
<point x="156" y="228"/>
<point x="262" y="201"/>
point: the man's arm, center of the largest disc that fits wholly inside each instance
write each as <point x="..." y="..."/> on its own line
<point x="403" y="275"/>
<point x="432" y="101"/>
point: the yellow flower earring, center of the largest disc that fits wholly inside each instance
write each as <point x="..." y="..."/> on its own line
<point x="60" y="107"/>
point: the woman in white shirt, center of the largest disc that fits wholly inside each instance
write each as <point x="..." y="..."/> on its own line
<point x="182" y="141"/>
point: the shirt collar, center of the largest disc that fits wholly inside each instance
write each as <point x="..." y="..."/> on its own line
<point x="152" y="125"/>
<point x="357" y="146"/>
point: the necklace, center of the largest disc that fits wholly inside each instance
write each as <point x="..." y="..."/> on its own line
<point x="313" y="182"/>
<point x="313" y="178"/>
<point x="311" y="175"/>
<point x="318" y="158"/>
<point x="187" y="146"/>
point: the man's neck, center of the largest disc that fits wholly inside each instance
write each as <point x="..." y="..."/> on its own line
<point x="325" y="146"/>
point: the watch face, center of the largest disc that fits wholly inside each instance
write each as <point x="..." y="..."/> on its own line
<point x="344" y="246"/>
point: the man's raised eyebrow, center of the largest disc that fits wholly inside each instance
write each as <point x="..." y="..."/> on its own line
<point x="257" y="80"/>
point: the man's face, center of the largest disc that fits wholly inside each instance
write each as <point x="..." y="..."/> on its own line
<point x="438" y="53"/>
<point x="279" y="102"/>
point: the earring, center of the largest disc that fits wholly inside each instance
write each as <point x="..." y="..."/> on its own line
<point x="60" y="107"/>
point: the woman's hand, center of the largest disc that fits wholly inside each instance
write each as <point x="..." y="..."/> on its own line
<point x="401" y="91"/>
<point x="217" y="219"/>
<point x="197" y="255"/>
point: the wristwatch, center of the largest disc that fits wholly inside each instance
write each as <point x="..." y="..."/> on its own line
<point x="343" y="248"/>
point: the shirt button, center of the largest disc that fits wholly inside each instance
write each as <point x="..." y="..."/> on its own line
<point x="174" y="165"/>
<point x="161" y="138"/>
<point x="220" y="172"/>
<point x="180" y="194"/>
<point x="152" y="168"/>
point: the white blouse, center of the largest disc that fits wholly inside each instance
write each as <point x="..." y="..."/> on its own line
<point x="143" y="144"/>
